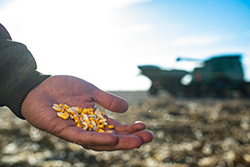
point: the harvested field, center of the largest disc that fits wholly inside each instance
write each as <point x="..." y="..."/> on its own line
<point x="188" y="133"/>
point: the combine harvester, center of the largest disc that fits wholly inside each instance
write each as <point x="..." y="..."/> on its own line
<point x="220" y="76"/>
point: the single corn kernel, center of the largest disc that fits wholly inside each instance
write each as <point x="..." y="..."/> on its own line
<point x="56" y="105"/>
<point x="96" y="129"/>
<point x="85" y="127"/>
<point x="78" y="109"/>
<point x="92" y="116"/>
<point x="97" y="122"/>
<point x="66" y="106"/>
<point x="100" y="116"/>
<point x="81" y="118"/>
<point x="84" y="111"/>
<point x="61" y="105"/>
<point x="65" y="112"/>
<point x="93" y="122"/>
<point x="72" y="111"/>
<point x="76" y="119"/>
<point x="101" y="121"/>
<point x="63" y="115"/>
<point x="104" y="123"/>
<point x="109" y="131"/>
<point x="100" y="112"/>
<point x="109" y="126"/>
<point x="78" y="125"/>
<point x="100" y="126"/>
<point x="100" y="130"/>
<point x="57" y="108"/>
<point x="85" y="118"/>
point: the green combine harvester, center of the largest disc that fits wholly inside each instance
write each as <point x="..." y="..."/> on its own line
<point x="220" y="76"/>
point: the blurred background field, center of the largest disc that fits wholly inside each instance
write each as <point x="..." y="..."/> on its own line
<point x="188" y="133"/>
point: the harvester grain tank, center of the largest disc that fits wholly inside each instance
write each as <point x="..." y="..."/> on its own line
<point x="219" y="76"/>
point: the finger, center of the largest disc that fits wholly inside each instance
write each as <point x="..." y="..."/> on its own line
<point x="137" y="126"/>
<point x="125" y="142"/>
<point x="110" y="101"/>
<point x="82" y="137"/>
<point x="145" y="135"/>
<point x="112" y="121"/>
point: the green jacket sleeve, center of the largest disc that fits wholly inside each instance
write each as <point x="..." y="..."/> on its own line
<point x="18" y="74"/>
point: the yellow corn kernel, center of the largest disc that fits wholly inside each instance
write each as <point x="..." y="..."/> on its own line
<point x="57" y="108"/>
<point x="100" y="126"/>
<point x="90" y="113"/>
<point x="84" y="111"/>
<point x="85" y="118"/>
<point x="78" y="109"/>
<point x="109" y="131"/>
<point x="97" y="121"/>
<point x="96" y="129"/>
<point x="101" y="121"/>
<point x="85" y="127"/>
<point x="63" y="115"/>
<point x="61" y="105"/>
<point x="81" y="118"/>
<point x="100" y="116"/>
<point x="64" y="106"/>
<point x="71" y="116"/>
<point x="90" y="110"/>
<point x="65" y="112"/>
<point x="100" y="112"/>
<point x="78" y="125"/>
<point x="104" y="123"/>
<point x="57" y="105"/>
<point x="72" y="111"/>
<point x="100" y="130"/>
<point x="90" y="126"/>
<point x="92" y="116"/>
<point x="92" y="121"/>
<point x="76" y="119"/>
<point x="109" y="126"/>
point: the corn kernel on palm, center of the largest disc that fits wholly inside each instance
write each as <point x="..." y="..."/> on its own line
<point x="85" y="118"/>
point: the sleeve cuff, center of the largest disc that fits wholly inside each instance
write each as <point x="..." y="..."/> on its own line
<point x="18" y="87"/>
<point x="18" y="77"/>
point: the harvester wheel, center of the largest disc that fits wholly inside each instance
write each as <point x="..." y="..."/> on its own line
<point x="153" y="90"/>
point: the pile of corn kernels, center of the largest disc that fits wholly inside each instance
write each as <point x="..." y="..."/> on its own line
<point x="85" y="118"/>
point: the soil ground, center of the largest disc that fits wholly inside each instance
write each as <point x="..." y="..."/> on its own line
<point x="187" y="133"/>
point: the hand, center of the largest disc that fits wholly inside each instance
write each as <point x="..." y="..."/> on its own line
<point x="73" y="91"/>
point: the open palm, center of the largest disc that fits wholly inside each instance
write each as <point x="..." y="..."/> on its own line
<point x="73" y="91"/>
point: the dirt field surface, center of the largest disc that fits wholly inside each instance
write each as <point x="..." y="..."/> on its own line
<point x="187" y="133"/>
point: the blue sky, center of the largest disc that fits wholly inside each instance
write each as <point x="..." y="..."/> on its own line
<point x="104" y="41"/>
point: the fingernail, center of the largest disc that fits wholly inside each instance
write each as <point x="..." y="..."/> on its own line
<point x="138" y="122"/>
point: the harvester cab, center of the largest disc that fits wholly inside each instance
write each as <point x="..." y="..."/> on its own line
<point x="218" y="77"/>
